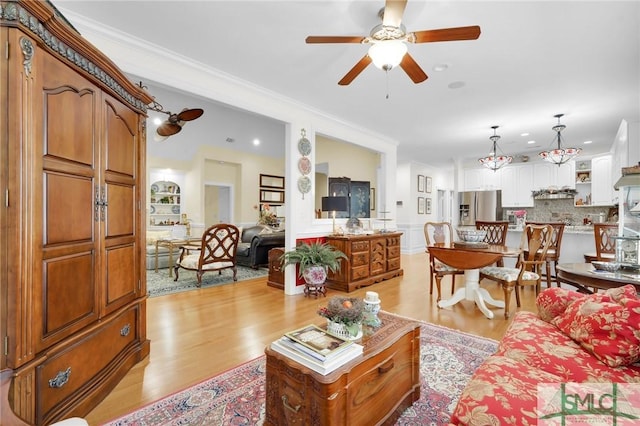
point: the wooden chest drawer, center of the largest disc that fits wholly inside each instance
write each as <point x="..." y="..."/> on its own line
<point x="393" y="252"/>
<point x="372" y="390"/>
<point x="360" y="259"/>
<point x="358" y="246"/>
<point x="68" y="371"/>
<point x="393" y="264"/>
<point x="359" y="272"/>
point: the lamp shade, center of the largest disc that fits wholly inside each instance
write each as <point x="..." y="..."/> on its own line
<point x="335" y="204"/>
<point x="387" y="54"/>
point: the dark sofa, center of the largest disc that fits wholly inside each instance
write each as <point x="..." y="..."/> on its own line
<point x="255" y="243"/>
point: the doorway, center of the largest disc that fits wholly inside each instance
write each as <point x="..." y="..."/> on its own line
<point x="218" y="204"/>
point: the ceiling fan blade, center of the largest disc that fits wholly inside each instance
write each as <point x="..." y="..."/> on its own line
<point x="393" y="11"/>
<point x="353" y="72"/>
<point x="447" y="34"/>
<point x="335" y="39"/>
<point x="413" y="70"/>
<point x="168" y="129"/>
<point x="190" y="114"/>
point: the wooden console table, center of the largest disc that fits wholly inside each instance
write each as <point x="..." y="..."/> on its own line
<point x="370" y="259"/>
<point x="373" y="389"/>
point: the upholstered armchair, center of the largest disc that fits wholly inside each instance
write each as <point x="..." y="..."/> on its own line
<point x="255" y="243"/>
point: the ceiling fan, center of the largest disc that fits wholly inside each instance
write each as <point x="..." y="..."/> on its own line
<point x="175" y="122"/>
<point x="388" y="43"/>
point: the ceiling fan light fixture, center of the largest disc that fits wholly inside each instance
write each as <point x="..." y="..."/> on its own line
<point x="387" y="54"/>
<point x="494" y="161"/>
<point x="559" y="155"/>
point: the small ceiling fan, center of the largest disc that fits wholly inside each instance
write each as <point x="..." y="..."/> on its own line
<point x="388" y="43"/>
<point x="175" y="122"/>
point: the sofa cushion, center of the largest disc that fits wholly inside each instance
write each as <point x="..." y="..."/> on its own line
<point x="248" y="233"/>
<point x="541" y="345"/>
<point x="606" y="325"/>
<point x="243" y="249"/>
<point x="502" y="391"/>
<point x="153" y="236"/>
<point x="553" y="301"/>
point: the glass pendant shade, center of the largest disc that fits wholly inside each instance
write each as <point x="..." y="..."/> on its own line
<point x="493" y="161"/>
<point x="559" y="155"/>
<point x="387" y="54"/>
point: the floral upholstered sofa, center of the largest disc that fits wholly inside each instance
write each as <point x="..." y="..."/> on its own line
<point x="574" y="338"/>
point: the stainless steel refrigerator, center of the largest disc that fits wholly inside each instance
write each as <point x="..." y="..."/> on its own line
<point x="480" y="205"/>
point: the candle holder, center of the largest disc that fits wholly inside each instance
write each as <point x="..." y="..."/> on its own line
<point x="371" y="309"/>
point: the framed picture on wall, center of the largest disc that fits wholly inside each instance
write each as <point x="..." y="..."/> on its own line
<point x="420" y="205"/>
<point x="428" y="185"/>
<point x="420" y="183"/>
<point x="428" y="205"/>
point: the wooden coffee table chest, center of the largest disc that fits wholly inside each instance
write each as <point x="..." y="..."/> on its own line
<point x="372" y="389"/>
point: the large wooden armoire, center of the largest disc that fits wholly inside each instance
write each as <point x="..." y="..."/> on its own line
<point x="72" y="167"/>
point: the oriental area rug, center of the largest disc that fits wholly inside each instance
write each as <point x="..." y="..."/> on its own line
<point x="160" y="283"/>
<point x="448" y="358"/>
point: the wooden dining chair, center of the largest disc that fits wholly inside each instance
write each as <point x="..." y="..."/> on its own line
<point x="553" y="254"/>
<point x="534" y="244"/>
<point x="603" y="234"/>
<point x="439" y="234"/>
<point x="216" y="252"/>
<point x="496" y="233"/>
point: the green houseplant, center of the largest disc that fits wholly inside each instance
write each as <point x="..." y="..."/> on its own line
<point x="314" y="259"/>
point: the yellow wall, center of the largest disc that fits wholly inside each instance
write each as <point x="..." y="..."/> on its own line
<point x="223" y="166"/>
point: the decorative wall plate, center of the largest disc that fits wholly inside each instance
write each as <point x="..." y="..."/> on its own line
<point x="175" y="209"/>
<point x="152" y="210"/>
<point x="304" y="184"/>
<point x="304" y="165"/>
<point x="304" y="146"/>
<point x="154" y="188"/>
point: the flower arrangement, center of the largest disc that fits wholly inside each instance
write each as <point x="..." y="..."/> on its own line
<point x="348" y="311"/>
<point x="267" y="216"/>
<point x="520" y="214"/>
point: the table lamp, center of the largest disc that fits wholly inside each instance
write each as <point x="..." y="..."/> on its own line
<point x="335" y="204"/>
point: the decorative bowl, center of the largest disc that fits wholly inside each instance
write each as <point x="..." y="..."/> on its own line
<point x="606" y="266"/>
<point x="471" y="235"/>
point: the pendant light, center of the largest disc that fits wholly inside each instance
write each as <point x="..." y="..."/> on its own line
<point x="493" y="161"/>
<point x="559" y="155"/>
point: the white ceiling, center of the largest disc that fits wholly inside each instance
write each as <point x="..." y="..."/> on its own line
<point x="533" y="59"/>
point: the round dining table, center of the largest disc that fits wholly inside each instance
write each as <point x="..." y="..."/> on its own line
<point x="470" y="258"/>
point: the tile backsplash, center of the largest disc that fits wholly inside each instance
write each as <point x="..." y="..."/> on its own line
<point x="563" y="210"/>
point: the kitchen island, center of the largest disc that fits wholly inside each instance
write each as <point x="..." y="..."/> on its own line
<point x="576" y="241"/>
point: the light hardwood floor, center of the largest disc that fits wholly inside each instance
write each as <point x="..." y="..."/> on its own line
<point x="200" y="333"/>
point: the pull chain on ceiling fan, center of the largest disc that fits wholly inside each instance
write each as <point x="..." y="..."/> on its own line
<point x="175" y="122"/>
<point x="389" y="43"/>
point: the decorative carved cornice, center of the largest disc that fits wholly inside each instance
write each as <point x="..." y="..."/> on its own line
<point x="14" y="14"/>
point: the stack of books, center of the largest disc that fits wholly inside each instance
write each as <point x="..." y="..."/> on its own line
<point x="316" y="349"/>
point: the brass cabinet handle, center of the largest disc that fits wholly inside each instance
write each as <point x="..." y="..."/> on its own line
<point x="61" y="379"/>
<point x="285" y="402"/>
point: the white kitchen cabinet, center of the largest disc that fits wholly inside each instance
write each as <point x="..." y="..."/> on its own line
<point x="601" y="185"/>
<point x="481" y="179"/>
<point x="546" y="175"/>
<point x="517" y="184"/>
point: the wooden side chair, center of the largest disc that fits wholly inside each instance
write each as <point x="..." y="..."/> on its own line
<point x="216" y="252"/>
<point x="603" y="234"/>
<point x="439" y="234"/>
<point x="553" y="254"/>
<point x="496" y="233"/>
<point x="534" y="244"/>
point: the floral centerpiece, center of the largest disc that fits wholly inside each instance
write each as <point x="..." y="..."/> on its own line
<point x="521" y="217"/>
<point x="344" y="313"/>
<point x="267" y="216"/>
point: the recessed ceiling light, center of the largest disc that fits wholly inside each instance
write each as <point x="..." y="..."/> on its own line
<point x="440" y="67"/>
<point x="531" y="142"/>
<point x="524" y="134"/>
<point x="456" y="84"/>
<point x="256" y="142"/>
<point x="587" y="142"/>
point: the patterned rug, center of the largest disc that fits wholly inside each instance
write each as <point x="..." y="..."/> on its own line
<point x="160" y="283"/>
<point x="448" y="358"/>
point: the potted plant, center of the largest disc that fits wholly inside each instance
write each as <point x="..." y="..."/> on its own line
<point x="314" y="259"/>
